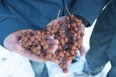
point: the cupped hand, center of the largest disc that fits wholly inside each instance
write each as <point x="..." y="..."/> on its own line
<point x="82" y="27"/>
<point x="11" y="42"/>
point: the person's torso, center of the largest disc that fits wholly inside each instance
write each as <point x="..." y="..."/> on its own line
<point x="35" y="12"/>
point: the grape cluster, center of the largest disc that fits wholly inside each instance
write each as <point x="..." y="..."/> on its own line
<point x="37" y="43"/>
<point x="70" y="40"/>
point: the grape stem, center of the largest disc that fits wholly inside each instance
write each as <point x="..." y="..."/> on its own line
<point x="57" y="17"/>
<point x="68" y="12"/>
<point x="58" y="14"/>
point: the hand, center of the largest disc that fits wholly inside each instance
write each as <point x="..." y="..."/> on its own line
<point x="81" y="50"/>
<point x="12" y="43"/>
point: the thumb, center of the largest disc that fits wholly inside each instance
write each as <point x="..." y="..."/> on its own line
<point x="82" y="51"/>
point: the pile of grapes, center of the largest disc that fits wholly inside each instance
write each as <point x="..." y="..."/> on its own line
<point x="70" y="40"/>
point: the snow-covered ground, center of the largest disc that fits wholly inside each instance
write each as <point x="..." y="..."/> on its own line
<point x="14" y="65"/>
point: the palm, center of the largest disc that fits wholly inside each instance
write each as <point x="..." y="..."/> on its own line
<point x="12" y="44"/>
<point x="82" y="50"/>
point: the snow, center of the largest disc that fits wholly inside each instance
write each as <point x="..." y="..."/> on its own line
<point x="15" y="65"/>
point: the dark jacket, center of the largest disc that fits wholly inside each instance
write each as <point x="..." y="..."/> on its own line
<point x="35" y="14"/>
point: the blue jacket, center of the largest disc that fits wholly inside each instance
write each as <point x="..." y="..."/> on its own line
<point x="35" y="14"/>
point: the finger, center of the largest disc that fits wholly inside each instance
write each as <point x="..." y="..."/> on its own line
<point x="82" y="28"/>
<point x="53" y="57"/>
<point x="49" y="37"/>
<point x="82" y="51"/>
<point x="51" y="23"/>
<point x="56" y="61"/>
<point x="69" y="62"/>
<point x="24" y="30"/>
<point x="53" y="47"/>
<point x="53" y="41"/>
<point x="27" y="53"/>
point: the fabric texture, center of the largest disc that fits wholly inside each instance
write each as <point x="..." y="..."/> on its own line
<point x="102" y="41"/>
<point x="39" y="68"/>
<point x="24" y="14"/>
<point x="89" y="9"/>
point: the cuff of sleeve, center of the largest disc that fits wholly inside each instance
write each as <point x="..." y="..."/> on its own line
<point x="84" y="21"/>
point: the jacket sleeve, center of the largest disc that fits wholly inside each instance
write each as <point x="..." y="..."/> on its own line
<point x="88" y="9"/>
<point x="9" y="23"/>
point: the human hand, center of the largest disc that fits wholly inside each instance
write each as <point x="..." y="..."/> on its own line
<point x="64" y="26"/>
<point x="12" y="43"/>
<point x="81" y="28"/>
